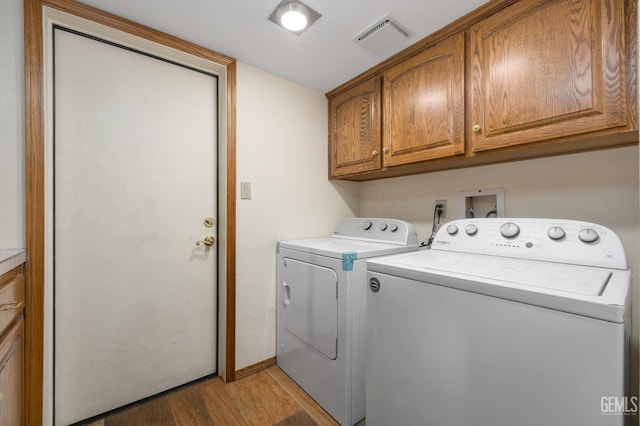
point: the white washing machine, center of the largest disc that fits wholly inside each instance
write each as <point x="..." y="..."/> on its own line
<point x="321" y="294"/>
<point x="503" y="322"/>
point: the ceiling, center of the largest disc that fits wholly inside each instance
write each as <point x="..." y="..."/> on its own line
<point x="322" y="57"/>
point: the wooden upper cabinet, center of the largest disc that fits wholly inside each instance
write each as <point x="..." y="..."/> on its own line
<point x="544" y="70"/>
<point x="512" y="80"/>
<point x="354" y="129"/>
<point x="424" y="105"/>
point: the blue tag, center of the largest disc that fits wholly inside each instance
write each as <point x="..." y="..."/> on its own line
<point x="347" y="260"/>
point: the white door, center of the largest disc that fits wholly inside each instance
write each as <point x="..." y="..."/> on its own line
<point x="135" y="176"/>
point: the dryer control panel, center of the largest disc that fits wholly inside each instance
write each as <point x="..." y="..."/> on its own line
<point x="390" y="231"/>
<point x="550" y="240"/>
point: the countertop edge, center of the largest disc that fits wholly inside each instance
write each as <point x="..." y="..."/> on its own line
<point x="11" y="258"/>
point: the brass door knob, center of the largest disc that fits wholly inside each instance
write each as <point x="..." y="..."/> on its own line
<point x="209" y="222"/>
<point x="385" y="149"/>
<point x="374" y="153"/>
<point x="476" y="128"/>
<point x="208" y="241"/>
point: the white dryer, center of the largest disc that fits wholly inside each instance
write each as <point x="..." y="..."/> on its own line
<point x="321" y="293"/>
<point x="503" y="322"/>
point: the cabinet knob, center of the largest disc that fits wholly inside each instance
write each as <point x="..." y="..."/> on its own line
<point x="385" y="149"/>
<point x="374" y="153"/>
<point x="476" y="128"/>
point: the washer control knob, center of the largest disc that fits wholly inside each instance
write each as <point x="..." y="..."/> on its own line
<point x="509" y="230"/>
<point x="394" y="228"/>
<point x="588" y="235"/>
<point x="383" y="227"/>
<point x="367" y="225"/>
<point x="471" y="229"/>
<point x="452" y="229"/>
<point x="556" y="233"/>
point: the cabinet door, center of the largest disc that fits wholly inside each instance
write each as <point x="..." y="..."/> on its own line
<point x="424" y="105"/>
<point x="543" y="70"/>
<point x="354" y="129"/>
<point x="11" y="372"/>
<point x="11" y="300"/>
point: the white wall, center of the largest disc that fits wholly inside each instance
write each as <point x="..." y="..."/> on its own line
<point x="282" y="151"/>
<point x="600" y="187"/>
<point x="12" y="225"/>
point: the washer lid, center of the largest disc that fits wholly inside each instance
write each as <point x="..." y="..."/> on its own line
<point x="595" y="292"/>
<point x="567" y="278"/>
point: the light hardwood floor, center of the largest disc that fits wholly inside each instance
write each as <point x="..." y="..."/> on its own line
<point x="268" y="397"/>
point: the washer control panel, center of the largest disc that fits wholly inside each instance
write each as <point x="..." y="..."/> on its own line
<point x="551" y="240"/>
<point x="392" y="231"/>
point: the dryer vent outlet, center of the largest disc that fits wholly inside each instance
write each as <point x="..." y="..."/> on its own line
<point x="383" y="38"/>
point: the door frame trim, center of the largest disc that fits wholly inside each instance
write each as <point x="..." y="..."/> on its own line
<point x="35" y="187"/>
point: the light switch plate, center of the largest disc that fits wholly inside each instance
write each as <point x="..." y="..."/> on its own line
<point x="245" y="190"/>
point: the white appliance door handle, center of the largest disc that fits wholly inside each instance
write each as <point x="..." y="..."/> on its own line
<point x="287" y="293"/>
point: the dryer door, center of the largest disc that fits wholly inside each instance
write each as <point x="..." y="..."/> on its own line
<point x="310" y="304"/>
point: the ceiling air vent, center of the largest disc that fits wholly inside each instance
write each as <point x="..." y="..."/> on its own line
<point x="383" y="38"/>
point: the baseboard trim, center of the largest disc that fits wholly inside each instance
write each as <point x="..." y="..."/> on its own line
<point x="252" y="369"/>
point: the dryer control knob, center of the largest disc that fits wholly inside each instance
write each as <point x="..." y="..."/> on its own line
<point x="383" y="227"/>
<point x="471" y="229"/>
<point x="367" y="225"/>
<point x="394" y="227"/>
<point x="556" y="233"/>
<point x="509" y="230"/>
<point x="452" y="229"/>
<point x="588" y="235"/>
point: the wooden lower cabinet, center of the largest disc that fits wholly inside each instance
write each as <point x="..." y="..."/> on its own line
<point x="544" y="70"/>
<point x="11" y="375"/>
<point x="12" y="300"/>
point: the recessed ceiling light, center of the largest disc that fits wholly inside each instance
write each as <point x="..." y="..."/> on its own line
<point x="294" y="16"/>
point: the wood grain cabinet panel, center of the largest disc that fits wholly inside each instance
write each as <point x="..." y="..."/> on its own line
<point x="424" y="105"/>
<point x="544" y="70"/>
<point x="354" y="129"/>
<point x="11" y="375"/>
<point x="12" y="346"/>
<point x="11" y="300"/>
